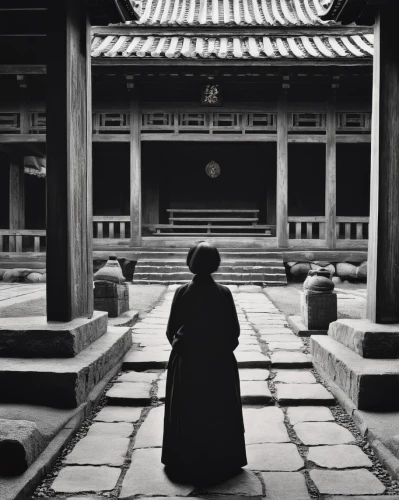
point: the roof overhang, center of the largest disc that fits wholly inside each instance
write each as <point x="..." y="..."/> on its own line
<point x="354" y="11"/>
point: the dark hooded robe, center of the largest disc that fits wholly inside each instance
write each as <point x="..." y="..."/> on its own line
<point x="203" y="426"/>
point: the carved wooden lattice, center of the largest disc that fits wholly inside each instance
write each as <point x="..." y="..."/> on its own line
<point x="156" y="121"/>
<point x="115" y="123"/>
<point x="226" y="121"/>
<point x="37" y="123"/>
<point x="192" y="120"/>
<point x="10" y="123"/>
<point x="308" y="121"/>
<point x="260" y="121"/>
<point x="354" y="122"/>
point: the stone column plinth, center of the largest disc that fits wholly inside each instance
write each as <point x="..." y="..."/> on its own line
<point x="111" y="297"/>
<point x="318" y="310"/>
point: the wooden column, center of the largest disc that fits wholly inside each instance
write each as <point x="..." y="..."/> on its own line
<point x="17" y="197"/>
<point x="135" y="174"/>
<point x="69" y="256"/>
<point x="383" y="257"/>
<point x="331" y="173"/>
<point x="282" y="171"/>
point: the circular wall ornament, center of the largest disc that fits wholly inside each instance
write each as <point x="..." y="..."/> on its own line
<point x="213" y="169"/>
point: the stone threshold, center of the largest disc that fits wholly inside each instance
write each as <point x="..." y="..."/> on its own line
<point x="21" y="487"/>
<point x="364" y="421"/>
<point x="298" y="327"/>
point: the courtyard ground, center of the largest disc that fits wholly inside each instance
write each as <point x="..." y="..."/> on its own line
<point x="300" y="443"/>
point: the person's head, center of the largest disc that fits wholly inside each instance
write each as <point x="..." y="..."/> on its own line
<point x="203" y="258"/>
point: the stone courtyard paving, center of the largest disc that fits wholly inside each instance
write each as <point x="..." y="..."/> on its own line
<point x="300" y="444"/>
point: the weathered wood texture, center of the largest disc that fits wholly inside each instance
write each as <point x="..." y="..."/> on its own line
<point x="282" y="172"/>
<point x="331" y="174"/>
<point x="17" y="194"/>
<point x="135" y="174"/>
<point x="383" y="263"/>
<point x="69" y="278"/>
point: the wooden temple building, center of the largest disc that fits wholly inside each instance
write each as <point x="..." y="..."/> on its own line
<point x="247" y="122"/>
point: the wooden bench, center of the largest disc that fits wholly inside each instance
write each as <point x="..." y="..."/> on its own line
<point x="202" y="222"/>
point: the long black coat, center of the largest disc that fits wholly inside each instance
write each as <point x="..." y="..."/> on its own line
<point x="203" y="427"/>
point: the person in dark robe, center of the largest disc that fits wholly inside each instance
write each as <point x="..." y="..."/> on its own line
<point x="203" y="438"/>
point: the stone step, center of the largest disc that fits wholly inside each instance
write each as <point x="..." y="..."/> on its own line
<point x="62" y="383"/>
<point x="182" y="268"/>
<point x="371" y="384"/>
<point x="233" y="262"/>
<point x="221" y="281"/>
<point x="217" y="276"/>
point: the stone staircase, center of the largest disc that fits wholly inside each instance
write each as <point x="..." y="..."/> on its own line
<point x="240" y="267"/>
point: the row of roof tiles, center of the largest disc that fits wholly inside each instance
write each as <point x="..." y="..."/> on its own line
<point x="232" y="12"/>
<point x="255" y="47"/>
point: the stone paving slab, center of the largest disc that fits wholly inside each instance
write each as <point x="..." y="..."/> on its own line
<point x="273" y="330"/>
<point x="150" y="434"/>
<point x="246" y="483"/>
<point x="318" y="433"/>
<point x="309" y="414"/>
<point x="120" y="429"/>
<point x="118" y="414"/>
<point x="285" y="346"/>
<point x="264" y="425"/>
<point x="129" y="393"/>
<point x="252" y="360"/>
<point x="303" y="394"/>
<point x="354" y="482"/>
<point x="285" y="486"/>
<point x="342" y="456"/>
<point x="282" y="337"/>
<point x="282" y="457"/>
<point x="139" y="360"/>
<point x="79" y="479"/>
<point x="146" y="476"/>
<point x="287" y="359"/>
<point x="255" y="392"/>
<point x="133" y="376"/>
<point x="248" y="348"/>
<point x="294" y="377"/>
<point x="253" y="374"/>
<point x="161" y="393"/>
<point x="99" y="450"/>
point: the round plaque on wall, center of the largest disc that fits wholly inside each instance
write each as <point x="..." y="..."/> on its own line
<point x="213" y="169"/>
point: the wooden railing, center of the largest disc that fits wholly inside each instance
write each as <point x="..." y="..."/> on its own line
<point x="352" y="228"/>
<point x="309" y="228"/>
<point x="111" y="226"/>
<point x="22" y="240"/>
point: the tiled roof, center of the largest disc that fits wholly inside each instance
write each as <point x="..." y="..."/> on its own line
<point x="232" y="12"/>
<point x="234" y="47"/>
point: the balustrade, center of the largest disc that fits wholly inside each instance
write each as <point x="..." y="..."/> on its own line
<point x="111" y="227"/>
<point x="22" y="240"/>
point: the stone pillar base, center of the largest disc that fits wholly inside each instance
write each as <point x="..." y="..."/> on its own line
<point x="318" y="310"/>
<point x="368" y="339"/>
<point x="111" y="297"/>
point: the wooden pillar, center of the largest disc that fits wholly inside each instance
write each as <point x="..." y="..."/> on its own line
<point x="383" y="257"/>
<point x="69" y="257"/>
<point x="135" y="174"/>
<point x="331" y="173"/>
<point x="282" y="171"/>
<point x="17" y="194"/>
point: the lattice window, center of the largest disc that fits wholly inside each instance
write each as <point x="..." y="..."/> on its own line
<point x="192" y="120"/>
<point x="261" y="121"/>
<point x="10" y="123"/>
<point x="157" y="120"/>
<point x="308" y="121"/>
<point x="354" y="122"/>
<point x="37" y="123"/>
<point x="226" y="120"/>
<point x="111" y="122"/>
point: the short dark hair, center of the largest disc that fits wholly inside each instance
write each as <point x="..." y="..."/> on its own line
<point x="203" y="258"/>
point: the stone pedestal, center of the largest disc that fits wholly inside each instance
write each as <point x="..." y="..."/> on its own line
<point x="111" y="297"/>
<point x="318" y="310"/>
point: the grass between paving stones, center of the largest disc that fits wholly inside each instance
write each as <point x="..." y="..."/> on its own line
<point x="342" y="418"/>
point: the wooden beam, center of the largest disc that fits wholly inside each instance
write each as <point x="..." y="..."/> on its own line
<point x="69" y="281"/>
<point x="282" y="171"/>
<point x="331" y="174"/>
<point x="135" y="174"/>
<point x="383" y="262"/>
